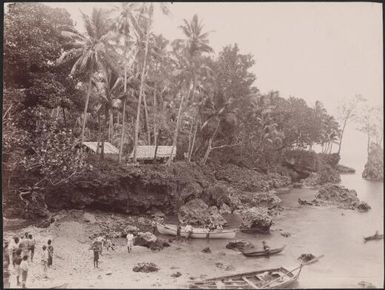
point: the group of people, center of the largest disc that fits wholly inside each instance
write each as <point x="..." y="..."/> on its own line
<point x="105" y="241"/>
<point x="18" y="253"/>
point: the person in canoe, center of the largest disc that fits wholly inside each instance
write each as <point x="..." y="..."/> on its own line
<point x="266" y="248"/>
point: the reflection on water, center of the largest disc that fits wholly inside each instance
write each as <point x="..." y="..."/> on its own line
<point x="336" y="233"/>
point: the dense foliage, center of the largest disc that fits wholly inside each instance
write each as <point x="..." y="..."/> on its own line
<point x="120" y="82"/>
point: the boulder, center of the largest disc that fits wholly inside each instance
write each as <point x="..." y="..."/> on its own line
<point x="256" y="219"/>
<point x="145" y="239"/>
<point x="196" y="212"/>
<point x="89" y="218"/>
<point x="262" y="199"/>
<point x="239" y="245"/>
<point x="145" y="267"/>
<point x="217" y="195"/>
<point x="206" y="250"/>
<point x="363" y="206"/>
<point x="338" y="195"/>
<point x="176" y="275"/>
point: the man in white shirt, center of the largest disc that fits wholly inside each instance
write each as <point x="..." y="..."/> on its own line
<point x="130" y="241"/>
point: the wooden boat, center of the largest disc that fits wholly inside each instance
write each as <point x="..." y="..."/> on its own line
<point x="263" y="279"/>
<point x="198" y="233"/>
<point x="374" y="237"/>
<point x="254" y="253"/>
<point x="276" y="278"/>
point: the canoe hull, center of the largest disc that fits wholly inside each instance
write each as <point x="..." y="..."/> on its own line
<point x="251" y="280"/>
<point x="263" y="253"/>
<point x="198" y="233"/>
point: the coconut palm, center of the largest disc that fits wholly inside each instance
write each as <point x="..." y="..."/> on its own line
<point x="90" y="51"/>
<point x="195" y="44"/>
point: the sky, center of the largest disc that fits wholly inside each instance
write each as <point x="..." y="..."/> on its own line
<point x="316" y="51"/>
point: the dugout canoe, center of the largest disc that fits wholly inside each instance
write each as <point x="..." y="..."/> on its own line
<point x="374" y="237"/>
<point x="253" y="253"/>
<point x="197" y="233"/>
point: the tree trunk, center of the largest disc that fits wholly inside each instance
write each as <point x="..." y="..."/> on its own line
<point x="193" y="141"/>
<point x="190" y="142"/>
<point x="99" y="134"/>
<point x="176" y="130"/>
<point x="64" y="117"/>
<point x="86" y="108"/>
<point x="209" y="146"/>
<point x="140" y="99"/>
<point x="123" y="114"/>
<point x="110" y="125"/>
<point x="342" y="134"/>
<point x="155" y="120"/>
<point x="146" y="121"/>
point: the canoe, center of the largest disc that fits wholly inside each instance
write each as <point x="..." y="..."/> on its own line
<point x="262" y="279"/>
<point x="374" y="237"/>
<point x="198" y="233"/>
<point x="253" y="253"/>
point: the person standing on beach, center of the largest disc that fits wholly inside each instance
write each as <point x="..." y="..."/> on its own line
<point x="17" y="261"/>
<point x="153" y="224"/>
<point x="189" y="230"/>
<point x="50" y="253"/>
<point x="44" y="260"/>
<point x="13" y="246"/>
<point x="24" y="246"/>
<point x="6" y="263"/>
<point x="95" y="248"/>
<point x="32" y="244"/>
<point x="130" y="241"/>
<point x="24" y="271"/>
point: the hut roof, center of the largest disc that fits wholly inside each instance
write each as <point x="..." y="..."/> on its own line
<point x="108" y="147"/>
<point x="147" y="152"/>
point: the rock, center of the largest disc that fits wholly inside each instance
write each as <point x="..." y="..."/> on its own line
<point x="130" y="229"/>
<point x="109" y="273"/>
<point x="306" y="257"/>
<point x="374" y="167"/>
<point x="331" y="194"/>
<point x="206" y="250"/>
<point x="224" y="267"/>
<point x="297" y="185"/>
<point x="363" y="206"/>
<point x="176" y="275"/>
<point x="89" y="217"/>
<point x="239" y="245"/>
<point x="196" y="212"/>
<point x="304" y="202"/>
<point x="285" y="234"/>
<point x="145" y="239"/>
<point x="217" y="195"/>
<point x="256" y="219"/>
<point x="262" y="199"/>
<point x="365" y="284"/>
<point x="145" y="267"/>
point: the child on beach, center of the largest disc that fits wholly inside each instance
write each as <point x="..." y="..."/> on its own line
<point x="13" y="246"/>
<point x="32" y="244"/>
<point x="96" y="249"/>
<point x="24" y="245"/>
<point x="6" y="263"/>
<point x="44" y="260"/>
<point x="24" y="271"/>
<point x="50" y="253"/>
<point x="17" y="261"/>
<point x="130" y="241"/>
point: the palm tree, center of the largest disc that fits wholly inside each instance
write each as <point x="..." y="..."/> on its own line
<point x="123" y="27"/>
<point x="144" y="18"/>
<point x="195" y="44"/>
<point x="89" y="51"/>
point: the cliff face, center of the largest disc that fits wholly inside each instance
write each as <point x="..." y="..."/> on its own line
<point x="374" y="167"/>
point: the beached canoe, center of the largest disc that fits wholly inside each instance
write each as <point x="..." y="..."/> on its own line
<point x="254" y="253"/>
<point x="374" y="237"/>
<point x="263" y="279"/>
<point x="198" y="233"/>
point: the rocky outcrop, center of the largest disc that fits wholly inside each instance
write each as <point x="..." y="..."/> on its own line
<point x="197" y="212"/>
<point x="150" y="241"/>
<point x="256" y="220"/>
<point x="374" y="167"/>
<point x="239" y="245"/>
<point x="262" y="199"/>
<point x="337" y="195"/>
<point x="145" y="267"/>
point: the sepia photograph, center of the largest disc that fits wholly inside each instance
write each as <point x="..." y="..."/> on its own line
<point x="206" y="145"/>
